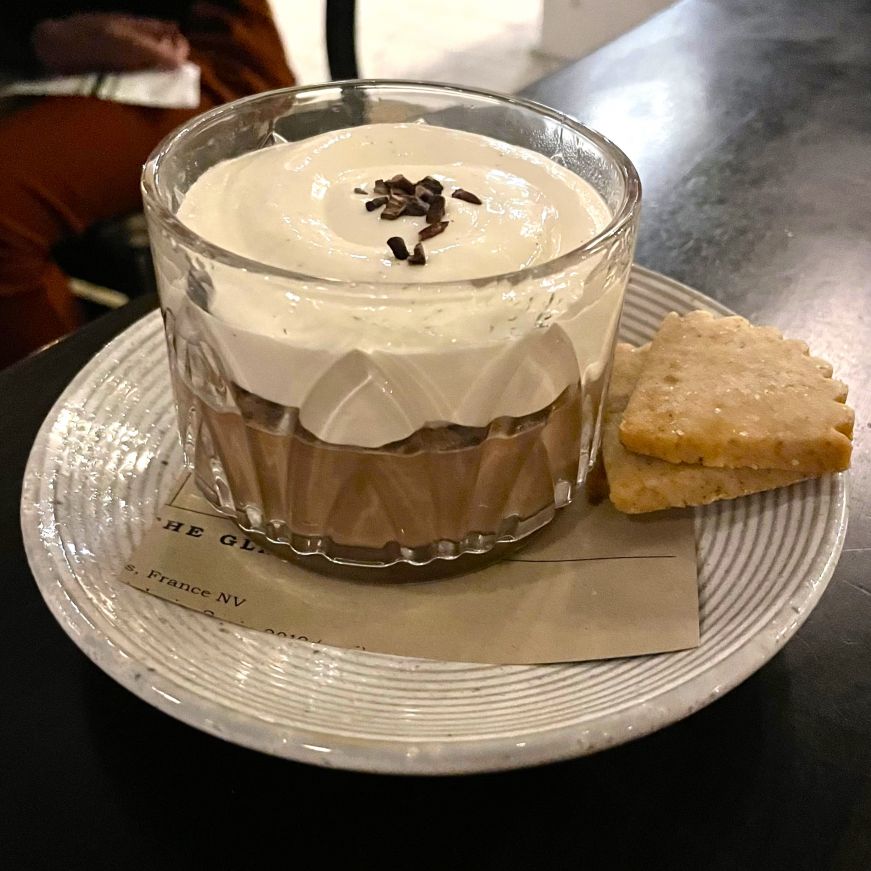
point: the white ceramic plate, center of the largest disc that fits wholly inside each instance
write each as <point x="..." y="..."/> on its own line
<point x="107" y="455"/>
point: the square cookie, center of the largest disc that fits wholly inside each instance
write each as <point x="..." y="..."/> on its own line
<point x="640" y="483"/>
<point x="721" y="392"/>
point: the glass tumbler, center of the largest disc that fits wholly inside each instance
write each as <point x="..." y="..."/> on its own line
<point x="404" y="423"/>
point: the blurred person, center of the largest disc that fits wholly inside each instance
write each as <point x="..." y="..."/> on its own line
<point x="69" y="162"/>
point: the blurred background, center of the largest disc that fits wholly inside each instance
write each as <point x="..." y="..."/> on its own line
<point x="89" y="87"/>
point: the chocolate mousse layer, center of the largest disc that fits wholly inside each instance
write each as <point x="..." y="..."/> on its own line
<point x="442" y="491"/>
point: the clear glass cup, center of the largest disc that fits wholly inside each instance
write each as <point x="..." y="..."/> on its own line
<point x="447" y="493"/>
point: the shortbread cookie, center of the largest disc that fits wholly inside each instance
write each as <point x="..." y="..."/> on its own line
<point x="721" y="392"/>
<point x="639" y="483"/>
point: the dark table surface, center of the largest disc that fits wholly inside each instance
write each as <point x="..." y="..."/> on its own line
<point x="750" y="123"/>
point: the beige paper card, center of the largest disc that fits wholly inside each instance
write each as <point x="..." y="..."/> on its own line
<point x="595" y="584"/>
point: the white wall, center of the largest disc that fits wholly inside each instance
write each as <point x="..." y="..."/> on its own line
<point x="571" y="29"/>
<point x="498" y="44"/>
<point x="483" y="43"/>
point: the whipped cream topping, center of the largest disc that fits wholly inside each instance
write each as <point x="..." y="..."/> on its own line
<point x="294" y="206"/>
<point x="369" y="363"/>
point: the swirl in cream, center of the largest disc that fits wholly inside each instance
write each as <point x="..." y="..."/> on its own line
<point x="294" y="206"/>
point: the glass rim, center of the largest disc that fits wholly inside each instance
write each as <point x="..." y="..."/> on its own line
<point x="622" y="216"/>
